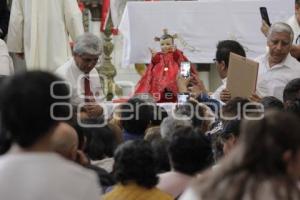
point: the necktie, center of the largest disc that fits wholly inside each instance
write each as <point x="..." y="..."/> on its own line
<point x="88" y="94"/>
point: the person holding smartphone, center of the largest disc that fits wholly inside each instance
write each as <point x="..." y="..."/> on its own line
<point x="294" y="22"/>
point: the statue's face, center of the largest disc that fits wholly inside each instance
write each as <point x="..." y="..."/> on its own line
<point x="167" y="45"/>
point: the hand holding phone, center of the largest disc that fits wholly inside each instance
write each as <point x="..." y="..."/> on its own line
<point x="264" y="15"/>
<point x="183" y="97"/>
<point x="185" y="69"/>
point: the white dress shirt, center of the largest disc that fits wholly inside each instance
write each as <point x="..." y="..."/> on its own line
<point x="72" y="74"/>
<point x="217" y="92"/>
<point x="272" y="80"/>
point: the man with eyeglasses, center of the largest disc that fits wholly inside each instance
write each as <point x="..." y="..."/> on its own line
<point x="222" y="61"/>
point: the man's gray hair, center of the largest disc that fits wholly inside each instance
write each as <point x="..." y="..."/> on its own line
<point x="170" y="124"/>
<point x="280" y="27"/>
<point x="88" y="43"/>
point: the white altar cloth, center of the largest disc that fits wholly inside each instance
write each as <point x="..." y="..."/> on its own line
<point x="200" y="23"/>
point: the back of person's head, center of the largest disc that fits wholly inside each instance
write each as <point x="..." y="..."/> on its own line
<point x="65" y="141"/>
<point x="159" y="113"/>
<point x="29" y="102"/>
<point x="189" y="152"/>
<point x="152" y="133"/>
<point x="194" y="111"/>
<point x="160" y="148"/>
<point x="101" y="142"/>
<point x="225" y="47"/>
<point x="135" y="116"/>
<point x="271" y="103"/>
<point x="172" y="123"/>
<point x="135" y="162"/>
<point x="291" y="91"/>
<point x="263" y="157"/>
<point x="280" y="27"/>
<point x="200" y="114"/>
<point x="291" y="96"/>
<point x="277" y="133"/>
<point x="88" y="43"/>
<point x="236" y="108"/>
<point x="231" y="128"/>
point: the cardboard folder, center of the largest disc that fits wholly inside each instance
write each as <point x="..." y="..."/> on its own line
<point x="241" y="76"/>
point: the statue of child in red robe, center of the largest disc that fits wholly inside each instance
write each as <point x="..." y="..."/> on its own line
<point x="160" y="76"/>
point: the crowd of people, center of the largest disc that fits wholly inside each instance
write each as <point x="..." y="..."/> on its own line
<point x="57" y="140"/>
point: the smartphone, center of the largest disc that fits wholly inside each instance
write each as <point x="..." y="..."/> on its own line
<point x="185" y="69"/>
<point x="182" y="98"/>
<point x="264" y="15"/>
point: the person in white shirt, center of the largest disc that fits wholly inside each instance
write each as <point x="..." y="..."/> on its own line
<point x="6" y="64"/>
<point x="33" y="171"/>
<point x="222" y="61"/>
<point x="277" y="67"/>
<point x="294" y="22"/>
<point x="40" y="31"/>
<point x="82" y="76"/>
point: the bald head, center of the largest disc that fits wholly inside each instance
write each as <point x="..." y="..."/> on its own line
<point x="65" y="141"/>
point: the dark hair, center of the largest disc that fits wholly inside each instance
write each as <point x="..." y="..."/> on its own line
<point x="137" y="116"/>
<point x="271" y="102"/>
<point x="195" y="112"/>
<point x="291" y="96"/>
<point x="236" y="105"/>
<point x="257" y="160"/>
<point x="291" y="91"/>
<point x="160" y="148"/>
<point x="159" y="113"/>
<point x="135" y="161"/>
<point x="26" y="101"/>
<point x="101" y="142"/>
<point x="167" y="36"/>
<point x="189" y="152"/>
<point x="231" y="128"/>
<point x="297" y="2"/>
<point x="225" y="47"/>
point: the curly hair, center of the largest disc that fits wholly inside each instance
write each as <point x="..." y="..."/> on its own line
<point x="190" y="152"/>
<point x="135" y="162"/>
